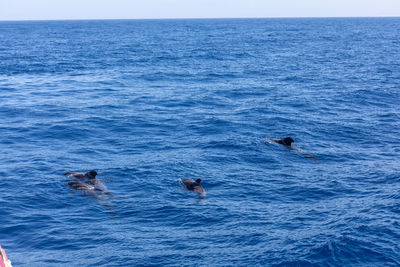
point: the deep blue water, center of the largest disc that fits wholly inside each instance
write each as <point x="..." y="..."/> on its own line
<point x="146" y="102"/>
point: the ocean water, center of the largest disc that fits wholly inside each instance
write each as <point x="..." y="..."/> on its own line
<point x="146" y="102"/>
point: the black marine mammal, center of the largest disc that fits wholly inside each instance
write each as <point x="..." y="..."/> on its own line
<point x="190" y="185"/>
<point x="82" y="186"/>
<point x="89" y="177"/>
<point x="287" y="141"/>
<point x="194" y="186"/>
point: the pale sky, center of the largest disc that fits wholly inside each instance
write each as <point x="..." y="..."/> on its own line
<point x="140" y="9"/>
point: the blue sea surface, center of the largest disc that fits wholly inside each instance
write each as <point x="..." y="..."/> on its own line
<point x="146" y="102"/>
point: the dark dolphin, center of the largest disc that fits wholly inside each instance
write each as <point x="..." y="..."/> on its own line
<point x="89" y="175"/>
<point x="194" y="186"/>
<point x="287" y="142"/>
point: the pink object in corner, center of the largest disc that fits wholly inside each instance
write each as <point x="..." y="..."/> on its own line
<point x="4" y="261"/>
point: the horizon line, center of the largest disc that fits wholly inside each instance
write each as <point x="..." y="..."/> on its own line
<point x="196" y="18"/>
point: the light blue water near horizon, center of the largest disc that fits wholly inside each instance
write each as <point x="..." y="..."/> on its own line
<point x="146" y="102"/>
